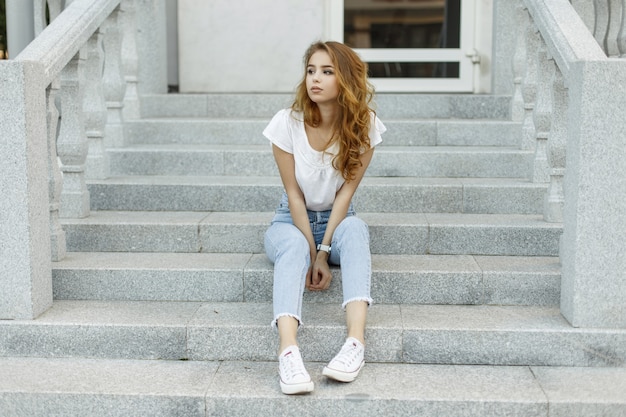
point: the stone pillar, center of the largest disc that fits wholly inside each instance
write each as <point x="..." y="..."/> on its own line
<point x="152" y="46"/>
<point x="593" y="245"/>
<point x="20" y="25"/>
<point x="503" y="45"/>
<point x="25" y="265"/>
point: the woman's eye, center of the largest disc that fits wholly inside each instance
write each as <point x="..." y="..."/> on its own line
<point x="328" y="72"/>
<point x="310" y="71"/>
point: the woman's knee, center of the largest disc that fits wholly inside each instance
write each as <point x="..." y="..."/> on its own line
<point x="281" y="238"/>
<point x="352" y="228"/>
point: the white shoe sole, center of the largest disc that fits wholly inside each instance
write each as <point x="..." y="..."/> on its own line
<point x="291" y="389"/>
<point x="340" y="375"/>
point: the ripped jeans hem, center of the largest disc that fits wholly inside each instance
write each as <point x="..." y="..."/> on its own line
<point x="275" y="321"/>
<point x="368" y="300"/>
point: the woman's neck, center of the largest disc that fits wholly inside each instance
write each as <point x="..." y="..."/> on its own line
<point x="328" y="115"/>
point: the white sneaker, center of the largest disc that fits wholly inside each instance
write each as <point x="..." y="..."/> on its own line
<point x="294" y="379"/>
<point x="345" y="367"/>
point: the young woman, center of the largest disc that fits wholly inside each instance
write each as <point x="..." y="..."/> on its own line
<point x="322" y="146"/>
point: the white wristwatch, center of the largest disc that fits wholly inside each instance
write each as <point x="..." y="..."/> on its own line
<point x="324" y="248"/>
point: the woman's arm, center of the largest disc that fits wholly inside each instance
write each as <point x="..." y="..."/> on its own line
<point x="321" y="276"/>
<point x="297" y="205"/>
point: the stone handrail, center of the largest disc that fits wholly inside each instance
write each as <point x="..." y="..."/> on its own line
<point x="565" y="34"/>
<point x="64" y="101"/>
<point x="569" y="93"/>
<point x="66" y="35"/>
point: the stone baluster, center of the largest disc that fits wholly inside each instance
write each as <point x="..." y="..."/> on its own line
<point x="555" y="198"/>
<point x="54" y="9"/>
<point x="529" y="87"/>
<point x="615" y="23"/>
<point x="55" y="178"/>
<point x="621" y="36"/>
<point x="130" y="60"/>
<point x="586" y="11"/>
<point x="542" y="115"/>
<point x="602" y="15"/>
<point x="72" y="143"/>
<point x="113" y="80"/>
<point x="95" y="109"/>
<point x="519" y="64"/>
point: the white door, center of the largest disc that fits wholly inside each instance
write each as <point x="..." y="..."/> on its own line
<point x="411" y="45"/>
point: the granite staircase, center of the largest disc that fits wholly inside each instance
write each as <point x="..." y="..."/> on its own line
<point x="163" y="304"/>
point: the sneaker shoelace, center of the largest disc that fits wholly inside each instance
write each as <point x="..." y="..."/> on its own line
<point x="349" y="354"/>
<point x="292" y="367"/>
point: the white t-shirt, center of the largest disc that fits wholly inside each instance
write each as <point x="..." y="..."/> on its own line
<point x="315" y="174"/>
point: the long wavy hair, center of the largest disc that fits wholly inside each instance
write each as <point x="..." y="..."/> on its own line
<point x="352" y="126"/>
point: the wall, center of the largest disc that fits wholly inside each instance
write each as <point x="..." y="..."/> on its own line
<point x="245" y="45"/>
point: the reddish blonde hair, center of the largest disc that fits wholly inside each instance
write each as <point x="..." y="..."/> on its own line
<point x="352" y="127"/>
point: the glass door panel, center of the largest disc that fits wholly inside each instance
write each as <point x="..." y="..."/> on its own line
<point x="413" y="45"/>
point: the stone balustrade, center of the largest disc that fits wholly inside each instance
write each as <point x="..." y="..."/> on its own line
<point x="569" y="89"/>
<point x="66" y="96"/>
<point x="64" y="101"/>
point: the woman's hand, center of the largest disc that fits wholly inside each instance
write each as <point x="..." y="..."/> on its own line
<point x="320" y="276"/>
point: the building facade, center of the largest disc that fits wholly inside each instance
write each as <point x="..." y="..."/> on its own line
<point x="411" y="46"/>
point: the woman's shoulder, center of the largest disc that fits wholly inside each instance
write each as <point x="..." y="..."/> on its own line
<point x="289" y="115"/>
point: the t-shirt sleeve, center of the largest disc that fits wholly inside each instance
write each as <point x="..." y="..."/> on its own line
<point x="377" y="128"/>
<point x="279" y="131"/>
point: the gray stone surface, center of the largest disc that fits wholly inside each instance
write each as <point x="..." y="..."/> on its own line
<point x="503" y="46"/>
<point x="263" y="105"/>
<point x="233" y="232"/>
<point x="427" y="280"/>
<point x="574" y="392"/>
<point x="492" y="235"/>
<point x="507" y="335"/>
<point x="413" y="132"/>
<point x="168" y="193"/>
<point x="134" y="232"/>
<point x="150" y="276"/>
<point x="388" y="195"/>
<point x="404" y="106"/>
<point x="44" y="387"/>
<point x="25" y="251"/>
<point x="496" y="196"/>
<point x="99" y="329"/>
<point x="257" y="160"/>
<point x="382" y="390"/>
<point x="593" y="245"/>
<point x="390" y="233"/>
<point x="514" y="280"/>
<point x="439" y="161"/>
<point x="196" y="131"/>
<point x="482" y="133"/>
<point x="407" y="279"/>
<point x="241" y="331"/>
<point x="37" y="387"/>
<point x="152" y="46"/>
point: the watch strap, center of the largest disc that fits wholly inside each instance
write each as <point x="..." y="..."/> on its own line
<point x="323" y="248"/>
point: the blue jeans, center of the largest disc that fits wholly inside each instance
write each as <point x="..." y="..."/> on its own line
<point x="289" y="251"/>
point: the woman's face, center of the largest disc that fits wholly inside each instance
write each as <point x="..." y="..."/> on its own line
<point x="321" y="79"/>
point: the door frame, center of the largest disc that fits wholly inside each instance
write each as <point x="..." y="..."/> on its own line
<point x="471" y="56"/>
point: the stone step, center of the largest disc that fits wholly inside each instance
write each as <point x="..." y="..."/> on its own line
<point x="36" y="387"/>
<point x="396" y="333"/>
<point x="407" y="279"/>
<point x="257" y="160"/>
<point x="242" y="232"/>
<point x="375" y="194"/>
<point x="249" y="131"/>
<point x="388" y="106"/>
